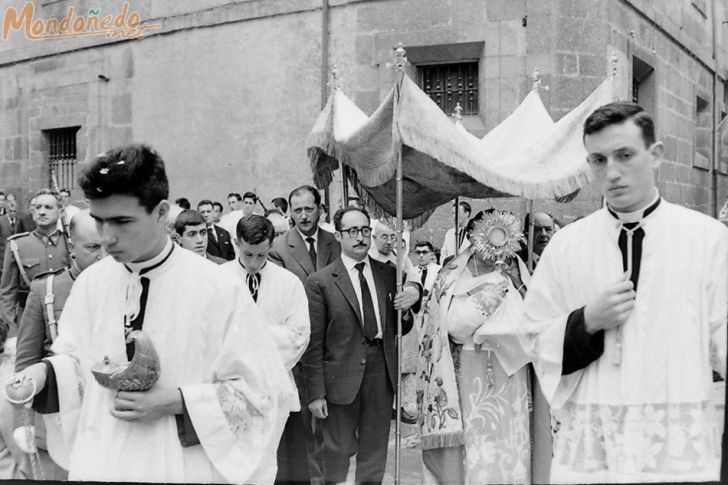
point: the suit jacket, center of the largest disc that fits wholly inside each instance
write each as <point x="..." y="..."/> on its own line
<point x="6" y="230"/>
<point x="221" y="246"/>
<point x="291" y="252"/>
<point x="25" y="222"/>
<point x="333" y="365"/>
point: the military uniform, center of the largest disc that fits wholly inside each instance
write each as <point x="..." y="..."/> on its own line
<point x="37" y="254"/>
<point x="39" y="325"/>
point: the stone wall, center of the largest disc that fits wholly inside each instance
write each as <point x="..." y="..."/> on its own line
<point x="228" y="91"/>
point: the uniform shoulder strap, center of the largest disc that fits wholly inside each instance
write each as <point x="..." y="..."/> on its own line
<point x="16" y="255"/>
<point x="50" y="312"/>
<point x="18" y="235"/>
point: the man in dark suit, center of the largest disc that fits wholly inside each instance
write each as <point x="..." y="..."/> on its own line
<point x="24" y="220"/>
<point x="218" y="239"/>
<point x="350" y="366"/>
<point x="303" y="250"/>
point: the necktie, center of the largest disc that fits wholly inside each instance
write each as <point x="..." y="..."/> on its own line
<point x="370" y="318"/>
<point x="630" y="244"/>
<point x="461" y="236"/>
<point x="212" y="234"/>
<point x="424" y="276"/>
<point x="253" y="281"/>
<point x="138" y="321"/>
<point x="312" y="250"/>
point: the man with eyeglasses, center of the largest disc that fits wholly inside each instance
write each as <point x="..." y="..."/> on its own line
<point x="303" y="250"/>
<point x="383" y="249"/>
<point x="350" y="366"/>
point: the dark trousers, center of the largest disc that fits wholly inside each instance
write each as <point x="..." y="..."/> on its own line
<point x="300" y="453"/>
<point x="292" y="456"/>
<point x="362" y="427"/>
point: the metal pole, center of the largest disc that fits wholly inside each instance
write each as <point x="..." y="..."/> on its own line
<point x="530" y="235"/>
<point x="400" y="63"/>
<point x="457" y="225"/>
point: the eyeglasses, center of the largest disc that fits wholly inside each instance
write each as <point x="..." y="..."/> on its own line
<point x="366" y="231"/>
<point x="391" y="237"/>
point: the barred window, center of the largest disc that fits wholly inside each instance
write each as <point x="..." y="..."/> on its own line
<point x="450" y="84"/>
<point x="62" y="156"/>
<point x="703" y="133"/>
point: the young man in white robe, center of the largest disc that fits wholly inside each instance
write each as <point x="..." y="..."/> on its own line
<point x="454" y="239"/>
<point x="281" y="297"/>
<point x="217" y="410"/>
<point x="629" y="309"/>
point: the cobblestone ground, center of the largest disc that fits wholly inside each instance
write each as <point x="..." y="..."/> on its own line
<point x="411" y="456"/>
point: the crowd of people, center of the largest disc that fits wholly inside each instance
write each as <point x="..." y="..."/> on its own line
<point x="150" y="341"/>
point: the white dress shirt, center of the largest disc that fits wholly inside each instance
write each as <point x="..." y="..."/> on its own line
<point x="314" y="236"/>
<point x="349" y="263"/>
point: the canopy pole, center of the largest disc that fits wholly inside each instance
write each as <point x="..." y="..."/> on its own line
<point x="457" y="225"/>
<point x="336" y="84"/>
<point x="400" y="61"/>
<point x="530" y="235"/>
<point x="458" y="115"/>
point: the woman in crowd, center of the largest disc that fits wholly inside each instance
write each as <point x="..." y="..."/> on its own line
<point x="473" y="392"/>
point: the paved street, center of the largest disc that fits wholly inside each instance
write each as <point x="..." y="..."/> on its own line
<point x="411" y="470"/>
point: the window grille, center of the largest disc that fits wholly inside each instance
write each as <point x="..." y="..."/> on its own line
<point x="450" y="84"/>
<point x="62" y="156"/>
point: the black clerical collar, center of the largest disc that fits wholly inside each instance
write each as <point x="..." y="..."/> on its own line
<point x="636" y="216"/>
<point x="154" y="263"/>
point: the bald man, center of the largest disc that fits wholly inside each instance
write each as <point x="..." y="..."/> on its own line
<point x="38" y="329"/>
<point x="543" y="230"/>
<point x="384" y="249"/>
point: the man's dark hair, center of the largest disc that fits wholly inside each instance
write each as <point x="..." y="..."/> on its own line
<point x="476" y="218"/>
<point x="427" y="244"/>
<point x="617" y="113"/>
<point x="65" y="191"/>
<point x="183" y="202"/>
<point x="187" y="217"/>
<point x="2" y="193"/>
<point x="254" y="229"/>
<point x="281" y="203"/>
<point x="466" y="207"/>
<point x="250" y="195"/>
<point x="302" y="190"/>
<point x="218" y="205"/>
<point x="236" y="195"/>
<point x="135" y="170"/>
<point x="272" y="211"/>
<point x="341" y="212"/>
<point x="206" y="202"/>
